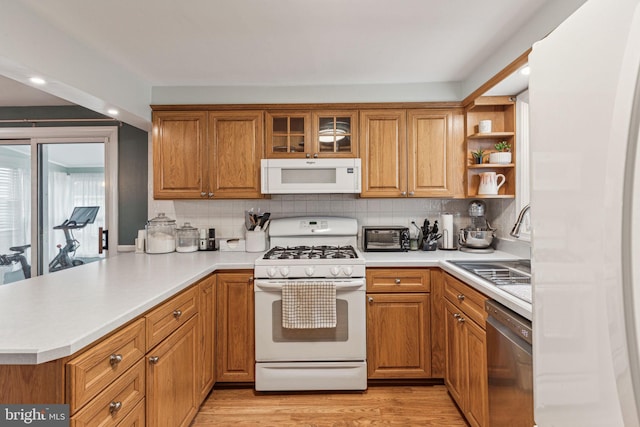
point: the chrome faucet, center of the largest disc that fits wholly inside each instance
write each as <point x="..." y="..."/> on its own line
<point x="515" y="231"/>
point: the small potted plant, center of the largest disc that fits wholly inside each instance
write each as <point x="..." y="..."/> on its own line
<point x="478" y="156"/>
<point x="503" y="154"/>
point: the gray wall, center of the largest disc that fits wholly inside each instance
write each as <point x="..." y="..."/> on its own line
<point x="132" y="160"/>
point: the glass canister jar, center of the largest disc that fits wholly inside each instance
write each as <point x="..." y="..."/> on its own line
<point x="187" y="238"/>
<point x="161" y="235"/>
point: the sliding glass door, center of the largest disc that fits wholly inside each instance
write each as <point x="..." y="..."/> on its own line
<point x="71" y="180"/>
<point x="57" y="199"/>
<point x="15" y="210"/>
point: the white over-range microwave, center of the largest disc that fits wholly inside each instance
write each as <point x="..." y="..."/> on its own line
<point x="307" y="176"/>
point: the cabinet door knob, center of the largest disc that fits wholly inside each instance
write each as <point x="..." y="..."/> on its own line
<point x="154" y="359"/>
<point x="114" y="359"/>
<point x="315" y="155"/>
<point x="115" y="407"/>
<point x="370" y="299"/>
<point x="210" y="194"/>
<point x="460" y="297"/>
<point x="411" y="193"/>
<point x="460" y="319"/>
<point x="456" y="315"/>
<point x="177" y="313"/>
<point x="203" y="194"/>
<point x="397" y="281"/>
<point x="308" y="155"/>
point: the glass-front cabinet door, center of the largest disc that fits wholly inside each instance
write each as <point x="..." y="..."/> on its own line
<point x="288" y="134"/>
<point x="334" y="134"/>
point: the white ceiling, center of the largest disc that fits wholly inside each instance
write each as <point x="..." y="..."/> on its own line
<point x="272" y="43"/>
<point x="292" y="42"/>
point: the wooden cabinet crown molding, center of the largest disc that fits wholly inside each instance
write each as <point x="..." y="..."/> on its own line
<point x="308" y="106"/>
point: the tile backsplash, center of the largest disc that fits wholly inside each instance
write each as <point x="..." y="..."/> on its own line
<point x="227" y="216"/>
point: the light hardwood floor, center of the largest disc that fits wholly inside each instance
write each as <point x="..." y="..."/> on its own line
<point x="428" y="405"/>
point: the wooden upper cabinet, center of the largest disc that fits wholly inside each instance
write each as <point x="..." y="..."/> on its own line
<point x="412" y="153"/>
<point x="205" y="155"/>
<point x="335" y="134"/>
<point x="235" y="149"/>
<point x="383" y="150"/>
<point x="178" y="152"/>
<point x="288" y="134"/>
<point x="311" y="134"/>
<point x="432" y="153"/>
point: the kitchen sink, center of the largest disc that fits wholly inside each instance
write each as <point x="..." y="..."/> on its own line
<point x="513" y="277"/>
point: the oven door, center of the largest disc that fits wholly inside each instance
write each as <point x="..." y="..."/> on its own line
<point x="347" y="341"/>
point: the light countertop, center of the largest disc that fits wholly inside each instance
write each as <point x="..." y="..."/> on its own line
<point x="54" y="316"/>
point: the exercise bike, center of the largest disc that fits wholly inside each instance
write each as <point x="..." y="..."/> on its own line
<point x="80" y="218"/>
<point x="17" y="257"/>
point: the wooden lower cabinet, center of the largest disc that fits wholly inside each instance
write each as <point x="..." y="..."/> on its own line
<point x="466" y="357"/>
<point x="398" y="344"/>
<point x="207" y="314"/>
<point x="398" y="323"/>
<point x="235" y="355"/>
<point x="173" y="382"/>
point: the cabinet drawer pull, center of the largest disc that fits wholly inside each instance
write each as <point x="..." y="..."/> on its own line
<point x="460" y="297"/>
<point x="154" y="359"/>
<point x="114" y="359"/>
<point x="177" y="313"/>
<point x="397" y="281"/>
<point x="115" y="407"/>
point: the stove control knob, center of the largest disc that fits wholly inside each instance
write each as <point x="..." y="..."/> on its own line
<point x="309" y="271"/>
<point x="335" y="271"/>
<point x="272" y="271"/>
<point x="348" y="270"/>
<point x="284" y="271"/>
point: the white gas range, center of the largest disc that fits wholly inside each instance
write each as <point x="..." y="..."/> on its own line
<point x="309" y="254"/>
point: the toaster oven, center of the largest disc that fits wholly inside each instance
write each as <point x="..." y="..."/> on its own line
<point x="385" y="239"/>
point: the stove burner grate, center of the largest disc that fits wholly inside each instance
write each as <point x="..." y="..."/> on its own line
<point x="311" y="252"/>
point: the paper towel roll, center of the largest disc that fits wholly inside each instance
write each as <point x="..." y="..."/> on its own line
<point x="446" y="222"/>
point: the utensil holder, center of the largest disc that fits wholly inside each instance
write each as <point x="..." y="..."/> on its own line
<point x="255" y="241"/>
<point x="429" y="246"/>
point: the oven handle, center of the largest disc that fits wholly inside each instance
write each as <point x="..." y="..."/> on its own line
<point x="341" y="284"/>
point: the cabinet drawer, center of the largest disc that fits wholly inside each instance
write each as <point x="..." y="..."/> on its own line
<point x="97" y="367"/>
<point x="398" y="280"/>
<point x="168" y="317"/>
<point x="135" y="418"/>
<point x="466" y="299"/>
<point x="114" y="404"/>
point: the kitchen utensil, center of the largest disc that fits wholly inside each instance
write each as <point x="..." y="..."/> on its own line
<point x="161" y="234"/>
<point x="490" y="183"/>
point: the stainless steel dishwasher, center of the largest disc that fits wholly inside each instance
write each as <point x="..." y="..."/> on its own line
<point x="510" y="367"/>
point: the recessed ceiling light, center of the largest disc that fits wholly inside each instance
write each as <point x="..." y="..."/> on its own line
<point x="113" y="111"/>
<point x="37" y="80"/>
<point x="525" y="71"/>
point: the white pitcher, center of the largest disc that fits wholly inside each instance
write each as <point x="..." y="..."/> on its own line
<point x="489" y="183"/>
